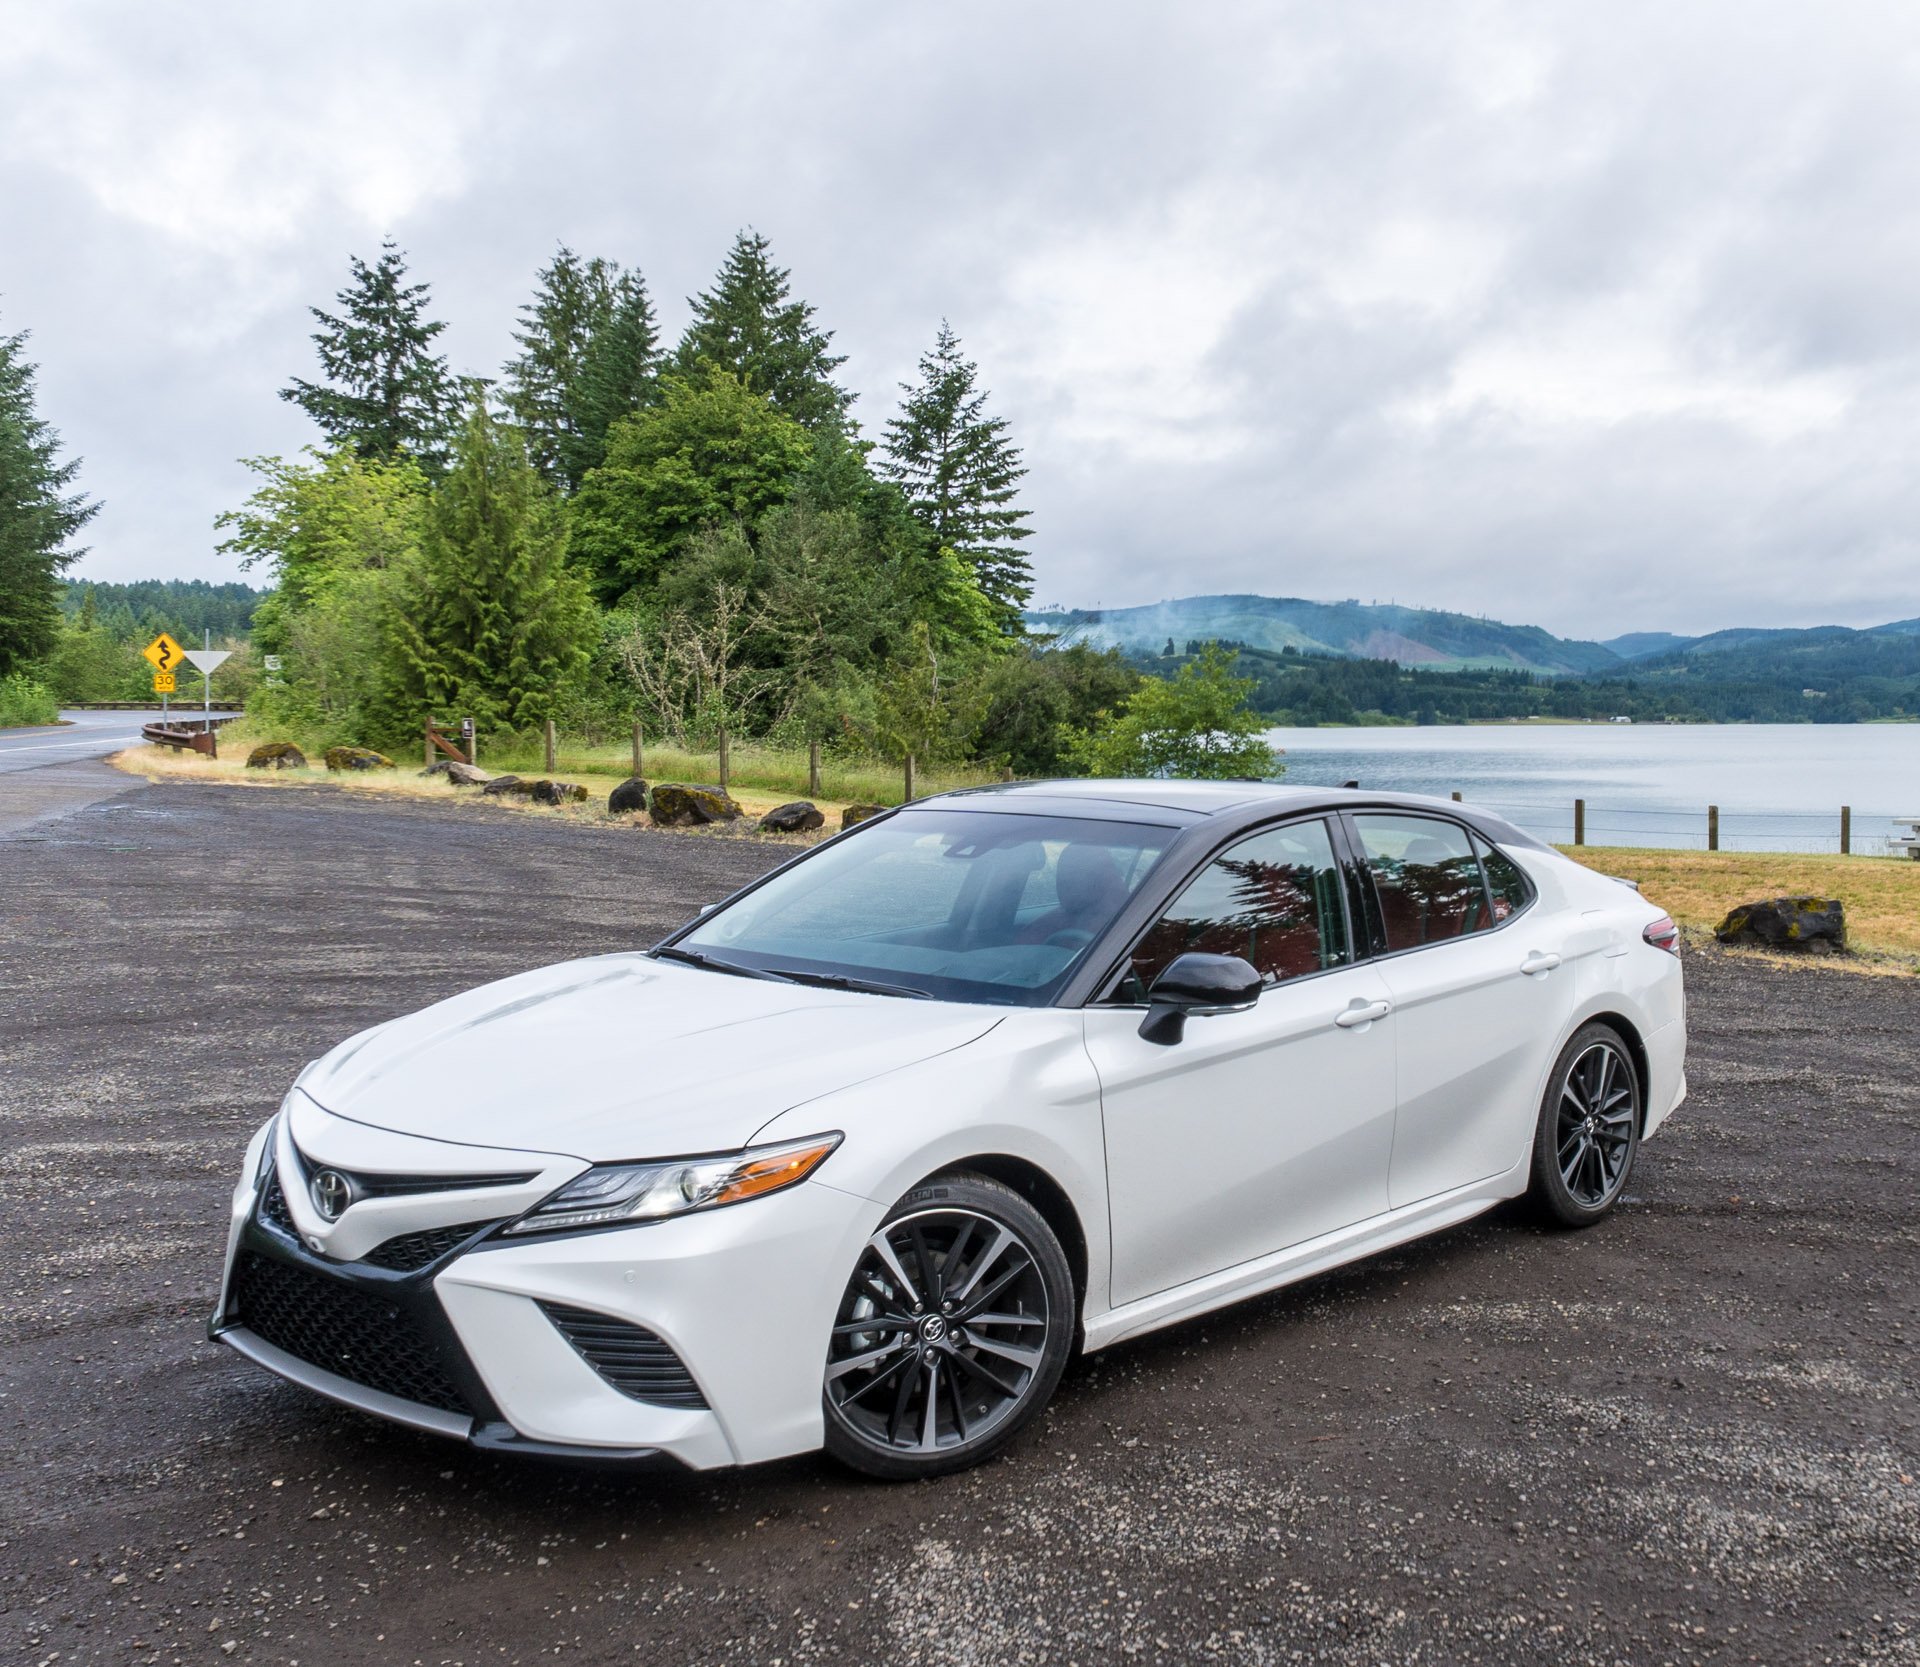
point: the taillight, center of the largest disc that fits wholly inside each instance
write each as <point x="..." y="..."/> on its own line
<point x="1663" y="934"/>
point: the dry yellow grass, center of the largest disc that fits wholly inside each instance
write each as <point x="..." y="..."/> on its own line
<point x="1881" y="894"/>
<point x="405" y="782"/>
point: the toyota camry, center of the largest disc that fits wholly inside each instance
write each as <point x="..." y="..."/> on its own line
<point x="863" y="1154"/>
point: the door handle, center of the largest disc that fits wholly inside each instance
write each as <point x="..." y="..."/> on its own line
<point x="1538" y="962"/>
<point x="1362" y="1013"/>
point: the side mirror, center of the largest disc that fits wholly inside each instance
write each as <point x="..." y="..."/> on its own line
<point x="1196" y="984"/>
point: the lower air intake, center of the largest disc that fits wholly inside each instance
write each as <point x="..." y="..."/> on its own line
<point x="357" y="1335"/>
<point x="629" y="1357"/>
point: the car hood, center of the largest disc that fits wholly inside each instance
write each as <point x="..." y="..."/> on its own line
<point x="625" y="1057"/>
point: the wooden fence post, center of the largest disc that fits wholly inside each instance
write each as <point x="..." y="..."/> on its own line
<point x="426" y="735"/>
<point x="1579" y="821"/>
<point x="470" y="740"/>
<point x="1713" y="827"/>
<point x="1456" y="795"/>
<point x="639" y="756"/>
<point x="550" y="746"/>
<point x="909" y="797"/>
<point x="726" y="759"/>
<point x="813" y="768"/>
<point x="1846" y="830"/>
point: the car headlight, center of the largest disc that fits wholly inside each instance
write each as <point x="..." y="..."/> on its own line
<point x="612" y="1194"/>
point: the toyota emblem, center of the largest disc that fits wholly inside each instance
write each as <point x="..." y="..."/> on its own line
<point x="331" y="1193"/>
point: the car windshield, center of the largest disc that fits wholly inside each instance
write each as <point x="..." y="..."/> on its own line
<point x="962" y="905"/>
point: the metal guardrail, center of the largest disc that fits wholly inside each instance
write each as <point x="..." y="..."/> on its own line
<point x="234" y="706"/>
<point x="188" y="734"/>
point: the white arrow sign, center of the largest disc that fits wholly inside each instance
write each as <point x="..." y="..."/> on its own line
<point x="208" y="659"/>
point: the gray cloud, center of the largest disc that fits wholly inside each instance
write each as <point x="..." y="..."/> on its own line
<point x="1602" y="318"/>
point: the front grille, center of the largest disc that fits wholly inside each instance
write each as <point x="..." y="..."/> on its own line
<point x="631" y="1358"/>
<point x="358" y="1335"/>
<point x="410" y="1252"/>
<point x="408" y="1186"/>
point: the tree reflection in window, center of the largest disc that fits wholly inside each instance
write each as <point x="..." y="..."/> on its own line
<point x="1273" y="900"/>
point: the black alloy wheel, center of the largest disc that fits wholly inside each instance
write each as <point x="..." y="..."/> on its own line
<point x="1589" y="1130"/>
<point x="951" y="1334"/>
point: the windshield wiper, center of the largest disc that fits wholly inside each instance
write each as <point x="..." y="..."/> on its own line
<point x="840" y="981"/>
<point x="713" y="963"/>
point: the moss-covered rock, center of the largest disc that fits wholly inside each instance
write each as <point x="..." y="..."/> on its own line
<point x="357" y="758"/>
<point x="675" y="805"/>
<point x="1813" y="923"/>
<point x="276" y="755"/>
<point x="859" y="813"/>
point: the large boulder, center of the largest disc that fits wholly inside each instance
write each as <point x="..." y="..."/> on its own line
<point x="457" y="771"/>
<point x="676" y="805"/>
<point x="357" y="758"/>
<point x="1813" y="923"/>
<point x="503" y="784"/>
<point x="799" y="817"/>
<point x="629" y="797"/>
<point x="556" y="793"/>
<point x="859" y="813"/>
<point x="276" y="755"/>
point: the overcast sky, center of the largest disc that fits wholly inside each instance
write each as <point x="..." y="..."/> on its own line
<point x="1601" y="318"/>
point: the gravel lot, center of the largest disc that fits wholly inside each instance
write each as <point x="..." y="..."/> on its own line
<point x="1687" y="1435"/>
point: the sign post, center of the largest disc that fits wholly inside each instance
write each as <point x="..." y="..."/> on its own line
<point x="206" y="661"/>
<point x="166" y="655"/>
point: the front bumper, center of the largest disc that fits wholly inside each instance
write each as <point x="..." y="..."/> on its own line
<point x="471" y="1345"/>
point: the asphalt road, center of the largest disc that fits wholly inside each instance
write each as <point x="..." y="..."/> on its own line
<point x="79" y="735"/>
<point x="1687" y="1435"/>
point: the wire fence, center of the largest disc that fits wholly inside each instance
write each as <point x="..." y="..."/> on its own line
<point x="1842" y="830"/>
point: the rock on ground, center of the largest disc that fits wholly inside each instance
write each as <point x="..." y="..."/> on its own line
<point x="629" y="797"/>
<point x="859" y="813"/>
<point x="802" y="816"/>
<point x="357" y="758"/>
<point x="676" y="805"/>
<point x="1816" y="923"/>
<point x="276" y="755"/>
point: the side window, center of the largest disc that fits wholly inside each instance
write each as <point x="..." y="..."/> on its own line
<point x="1274" y="900"/>
<point x="1426" y="876"/>
<point x="1506" y="885"/>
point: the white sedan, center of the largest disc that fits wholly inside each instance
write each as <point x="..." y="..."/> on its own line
<point x="862" y="1155"/>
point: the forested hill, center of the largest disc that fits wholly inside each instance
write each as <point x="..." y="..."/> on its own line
<point x="189" y="608"/>
<point x="1374" y="631"/>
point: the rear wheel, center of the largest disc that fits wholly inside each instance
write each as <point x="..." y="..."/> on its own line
<point x="1589" y="1130"/>
<point x="951" y="1334"/>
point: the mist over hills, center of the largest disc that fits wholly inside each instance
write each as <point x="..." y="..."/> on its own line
<point x="1435" y="640"/>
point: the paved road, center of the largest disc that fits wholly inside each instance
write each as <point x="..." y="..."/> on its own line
<point x="53" y="771"/>
<point x="1691" y="1434"/>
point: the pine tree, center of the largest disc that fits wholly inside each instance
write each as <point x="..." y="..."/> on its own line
<point x="619" y="373"/>
<point x="958" y="470"/>
<point x="37" y="516"/>
<point x="493" y="619"/>
<point x="385" y="392"/>
<point x="746" y="325"/>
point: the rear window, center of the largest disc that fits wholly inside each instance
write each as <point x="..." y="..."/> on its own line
<point x="1506" y="885"/>
<point x="1427" y="877"/>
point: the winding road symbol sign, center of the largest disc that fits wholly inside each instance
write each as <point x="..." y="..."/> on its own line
<point x="164" y="652"/>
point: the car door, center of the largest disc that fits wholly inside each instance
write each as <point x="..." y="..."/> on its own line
<point x="1262" y="1128"/>
<point x="1481" y="1000"/>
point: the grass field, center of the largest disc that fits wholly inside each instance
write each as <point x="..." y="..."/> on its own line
<point x="1881" y="894"/>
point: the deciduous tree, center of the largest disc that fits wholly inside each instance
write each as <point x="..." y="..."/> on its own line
<point x="1195" y="726"/>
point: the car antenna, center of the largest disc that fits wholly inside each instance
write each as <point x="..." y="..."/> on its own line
<point x="1353" y="784"/>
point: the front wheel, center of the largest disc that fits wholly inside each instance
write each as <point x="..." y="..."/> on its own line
<point x="1589" y="1130"/>
<point x="951" y="1334"/>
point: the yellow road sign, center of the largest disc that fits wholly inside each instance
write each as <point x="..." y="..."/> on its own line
<point x="165" y="653"/>
<point x="163" y="683"/>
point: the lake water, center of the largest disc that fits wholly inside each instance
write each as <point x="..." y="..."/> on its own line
<point x="1779" y="786"/>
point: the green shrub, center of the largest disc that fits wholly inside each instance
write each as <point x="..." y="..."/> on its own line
<point x="23" y="701"/>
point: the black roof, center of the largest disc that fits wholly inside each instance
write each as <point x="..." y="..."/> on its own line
<point x="1184" y="803"/>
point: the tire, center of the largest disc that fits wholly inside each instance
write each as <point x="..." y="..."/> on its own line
<point x="1589" y="1130"/>
<point x="918" y="1384"/>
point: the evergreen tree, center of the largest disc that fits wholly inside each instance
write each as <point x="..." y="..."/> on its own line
<point x="619" y="373"/>
<point x="385" y="392"/>
<point x="588" y="345"/>
<point x="38" y="516"/>
<point x="747" y="325"/>
<point x="958" y="470"/>
<point x="492" y="619"/>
